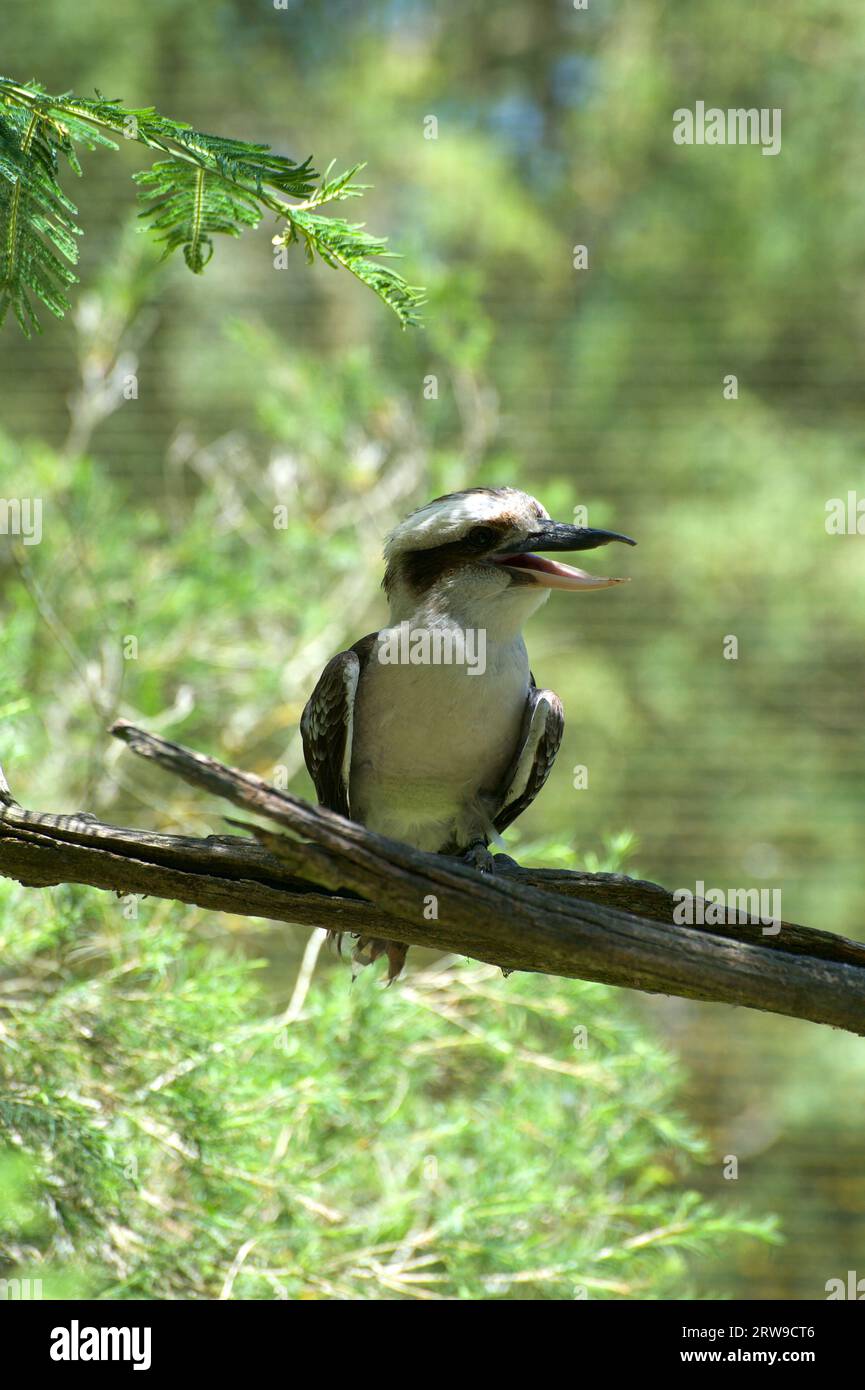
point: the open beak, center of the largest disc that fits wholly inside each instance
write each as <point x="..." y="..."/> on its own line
<point x="551" y="574"/>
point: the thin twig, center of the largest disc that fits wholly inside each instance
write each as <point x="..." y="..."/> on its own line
<point x="313" y="946"/>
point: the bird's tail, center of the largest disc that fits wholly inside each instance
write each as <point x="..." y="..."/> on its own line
<point x="367" y="949"/>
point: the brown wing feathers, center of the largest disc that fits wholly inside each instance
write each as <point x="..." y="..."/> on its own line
<point x="327" y="727"/>
<point x="544" y="756"/>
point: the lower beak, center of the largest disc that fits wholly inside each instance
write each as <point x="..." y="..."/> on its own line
<point x="551" y="574"/>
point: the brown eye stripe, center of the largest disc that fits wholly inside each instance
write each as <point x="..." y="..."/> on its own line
<point x="419" y="569"/>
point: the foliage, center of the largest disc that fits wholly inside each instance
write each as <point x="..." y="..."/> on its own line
<point x="446" y="1139"/>
<point x="208" y="185"/>
<point x="442" y="1139"/>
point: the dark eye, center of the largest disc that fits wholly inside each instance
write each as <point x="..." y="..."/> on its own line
<point x="482" y="536"/>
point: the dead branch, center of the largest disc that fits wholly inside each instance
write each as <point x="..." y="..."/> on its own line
<point x="341" y="876"/>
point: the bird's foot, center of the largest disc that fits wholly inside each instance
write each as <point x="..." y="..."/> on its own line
<point x="477" y="856"/>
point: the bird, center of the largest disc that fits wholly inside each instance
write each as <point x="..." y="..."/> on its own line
<point x="432" y="730"/>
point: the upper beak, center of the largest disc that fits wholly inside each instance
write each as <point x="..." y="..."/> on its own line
<point x="558" y="535"/>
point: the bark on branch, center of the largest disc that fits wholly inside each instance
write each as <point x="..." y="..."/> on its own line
<point x="339" y="875"/>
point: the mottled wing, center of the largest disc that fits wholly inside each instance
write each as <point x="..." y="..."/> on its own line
<point x="327" y="729"/>
<point x="327" y="726"/>
<point x="540" y="736"/>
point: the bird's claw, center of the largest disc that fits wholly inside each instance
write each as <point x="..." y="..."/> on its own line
<point x="477" y="856"/>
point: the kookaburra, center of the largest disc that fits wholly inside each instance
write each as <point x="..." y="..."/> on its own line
<point x="432" y="730"/>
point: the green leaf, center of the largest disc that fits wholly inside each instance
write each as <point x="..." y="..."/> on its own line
<point x="187" y="206"/>
<point x="203" y="186"/>
<point x="349" y="246"/>
<point x="37" y="223"/>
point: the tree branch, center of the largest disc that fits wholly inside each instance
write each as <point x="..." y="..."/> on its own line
<point x="341" y="876"/>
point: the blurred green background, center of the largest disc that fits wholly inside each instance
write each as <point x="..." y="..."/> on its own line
<point x="601" y="387"/>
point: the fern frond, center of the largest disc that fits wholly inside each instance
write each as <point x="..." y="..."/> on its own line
<point x="204" y="185"/>
<point x="348" y="246"/>
<point x="238" y="160"/>
<point x="37" y="220"/>
<point x="256" y="165"/>
<point x="69" y="131"/>
<point x="188" y="205"/>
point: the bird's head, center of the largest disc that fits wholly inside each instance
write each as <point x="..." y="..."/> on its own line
<point x="476" y="555"/>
